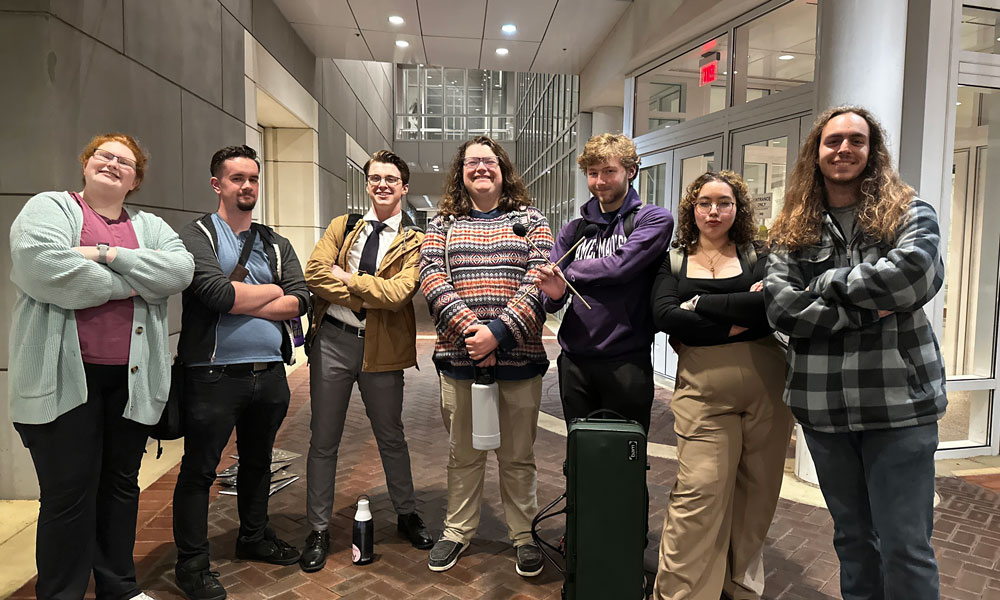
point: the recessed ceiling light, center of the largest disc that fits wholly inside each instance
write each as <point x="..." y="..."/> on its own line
<point x="502" y="51"/>
<point x="402" y="43"/>
<point x="396" y="20"/>
<point x="509" y="28"/>
<point x="786" y="57"/>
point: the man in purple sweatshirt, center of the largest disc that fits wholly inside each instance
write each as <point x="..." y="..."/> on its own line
<point x="605" y="360"/>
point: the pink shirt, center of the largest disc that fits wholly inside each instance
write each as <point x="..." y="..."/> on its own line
<point x="106" y="330"/>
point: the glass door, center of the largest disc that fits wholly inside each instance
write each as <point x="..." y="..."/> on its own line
<point x="763" y="155"/>
<point x="653" y="183"/>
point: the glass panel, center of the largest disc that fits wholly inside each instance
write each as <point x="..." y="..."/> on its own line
<point x="478" y="126"/>
<point x="454" y="101"/>
<point x="692" y="168"/>
<point x="432" y="128"/>
<point x="454" y="128"/>
<point x="781" y="49"/>
<point x="979" y="31"/>
<point x="971" y="264"/>
<point x="967" y="417"/>
<point x="764" y="168"/>
<point x="674" y="90"/>
<point x="652" y="184"/>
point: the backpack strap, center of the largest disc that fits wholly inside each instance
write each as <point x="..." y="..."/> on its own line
<point x="676" y="258"/>
<point x="628" y="224"/>
<point x="352" y="221"/>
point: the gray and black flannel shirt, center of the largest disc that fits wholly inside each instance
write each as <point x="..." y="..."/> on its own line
<point x="849" y="370"/>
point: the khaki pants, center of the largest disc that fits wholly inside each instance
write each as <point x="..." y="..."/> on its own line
<point x="732" y="435"/>
<point x="519" y="401"/>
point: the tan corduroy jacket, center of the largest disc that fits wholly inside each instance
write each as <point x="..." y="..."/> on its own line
<point x="390" y="327"/>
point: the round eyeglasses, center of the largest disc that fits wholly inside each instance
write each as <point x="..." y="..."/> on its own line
<point x="724" y="207"/>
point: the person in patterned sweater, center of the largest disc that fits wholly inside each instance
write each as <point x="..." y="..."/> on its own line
<point x="478" y="278"/>
<point x="856" y="258"/>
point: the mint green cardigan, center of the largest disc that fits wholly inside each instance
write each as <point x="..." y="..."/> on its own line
<point x="46" y="377"/>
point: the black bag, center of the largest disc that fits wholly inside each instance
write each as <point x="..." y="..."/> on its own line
<point x="171" y="425"/>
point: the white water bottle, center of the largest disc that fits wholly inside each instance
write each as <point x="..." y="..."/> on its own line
<point x="485" y="410"/>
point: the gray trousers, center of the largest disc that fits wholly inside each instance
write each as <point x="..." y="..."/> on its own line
<point x="334" y="365"/>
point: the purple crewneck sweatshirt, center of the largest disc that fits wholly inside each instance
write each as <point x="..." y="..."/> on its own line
<point x="615" y="275"/>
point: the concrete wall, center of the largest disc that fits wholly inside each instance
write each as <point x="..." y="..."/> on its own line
<point x="172" y="73"/>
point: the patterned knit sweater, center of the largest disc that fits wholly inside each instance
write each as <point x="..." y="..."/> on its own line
<point x="490" y="267"/>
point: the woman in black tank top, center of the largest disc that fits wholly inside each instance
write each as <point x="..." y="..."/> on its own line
<point x="732" y="427"/>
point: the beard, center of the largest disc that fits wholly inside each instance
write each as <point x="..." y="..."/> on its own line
<point x="246" y="203"/>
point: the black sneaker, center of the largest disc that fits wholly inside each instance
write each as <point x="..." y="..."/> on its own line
<point x="270" y="549"/>
<point x="444" y="555"/>
<point x="529" y="560"/>
<point x="198" y="581"/>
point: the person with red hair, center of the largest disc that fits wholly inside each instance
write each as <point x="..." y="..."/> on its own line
<point x="90" y="363"/>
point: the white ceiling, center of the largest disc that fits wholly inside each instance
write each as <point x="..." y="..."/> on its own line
<point x="553" y="36"/>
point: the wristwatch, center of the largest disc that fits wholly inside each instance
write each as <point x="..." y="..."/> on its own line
<point x="102" y="253"/>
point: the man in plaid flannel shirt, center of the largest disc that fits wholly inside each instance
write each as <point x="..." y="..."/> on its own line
<point x="856" y="258"/>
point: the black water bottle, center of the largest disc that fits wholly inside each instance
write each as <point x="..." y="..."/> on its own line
<point x="363" y="546"/>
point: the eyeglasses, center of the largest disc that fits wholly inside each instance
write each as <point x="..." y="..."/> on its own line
<point x="724" y="207"/>
<point x="389" y="179"/>
<point x="473" y="161"/>
<point x="106" y="157"/>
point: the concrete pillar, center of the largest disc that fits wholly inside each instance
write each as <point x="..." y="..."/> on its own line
<point x="608" y="119"/>
<point x="585" y="129"/>
<point x="861" y="51"/>
<point x="860" y="55"/>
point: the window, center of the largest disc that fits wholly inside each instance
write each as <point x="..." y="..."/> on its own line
<point x="674" y="90"/>
<point x="434" y="103"/>
<point x="780" y="51"/>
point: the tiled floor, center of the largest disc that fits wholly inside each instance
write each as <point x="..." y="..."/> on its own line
<point x="799" y="556"/>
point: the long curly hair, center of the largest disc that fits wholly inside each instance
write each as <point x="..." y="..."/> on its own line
<point x="885" y="198"/>
<point x="457" y="201"/>
<point x="742" y="231"/>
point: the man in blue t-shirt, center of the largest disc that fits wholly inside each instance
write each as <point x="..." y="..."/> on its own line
<point x="235" y="341"/>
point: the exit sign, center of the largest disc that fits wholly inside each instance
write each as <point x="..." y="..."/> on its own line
<point x="708" y="68"/>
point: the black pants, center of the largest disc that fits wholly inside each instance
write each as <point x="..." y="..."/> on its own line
<point x="87" y="462"/>
<point x="217" y="399"/>
<point x="624" y="385"/>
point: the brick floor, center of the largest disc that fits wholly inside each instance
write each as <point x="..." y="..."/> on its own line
<point x="799" y="556"/>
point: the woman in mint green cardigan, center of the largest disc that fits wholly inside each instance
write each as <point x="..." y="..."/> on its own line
<point x="90" y="363"/>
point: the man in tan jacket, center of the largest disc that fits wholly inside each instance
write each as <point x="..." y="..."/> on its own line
<point x="364" y="274"/>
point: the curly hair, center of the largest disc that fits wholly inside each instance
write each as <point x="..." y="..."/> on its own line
<point x="743" y="229"/>
<point x="141" y="158"/>
<point x="457" y="201"/>
<point x="885" y="198"/>
<point x="607" y="146"/>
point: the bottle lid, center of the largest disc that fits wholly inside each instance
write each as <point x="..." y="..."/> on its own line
<point x="364" y="509"/>
<point x="485" y="375"/>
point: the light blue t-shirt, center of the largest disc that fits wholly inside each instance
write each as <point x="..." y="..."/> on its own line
<point x="242" y="338"/>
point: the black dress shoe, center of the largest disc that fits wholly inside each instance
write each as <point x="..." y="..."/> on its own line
<point x="315" y="551"/>
<point x="412" y="527"/>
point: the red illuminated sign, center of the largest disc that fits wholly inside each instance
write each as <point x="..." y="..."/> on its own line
<point x="708" y="68"/>
<point x="709" y="73"/>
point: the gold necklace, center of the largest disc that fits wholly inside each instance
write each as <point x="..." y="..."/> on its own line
<point x="711" y="261"/>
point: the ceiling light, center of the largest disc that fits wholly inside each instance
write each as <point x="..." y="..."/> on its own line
<point x="786" y="57"/>
<point x="502" y="51"/>
<point x="509" y="28"/>
<point x="402" y="43"/>
<point x="958" y="104"/>
<point x="396" y="20"/>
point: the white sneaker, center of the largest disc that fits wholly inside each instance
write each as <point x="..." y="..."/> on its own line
<point x="142" y="596"/>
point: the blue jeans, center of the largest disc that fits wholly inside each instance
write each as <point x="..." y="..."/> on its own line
<point x="879" y="487"/>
